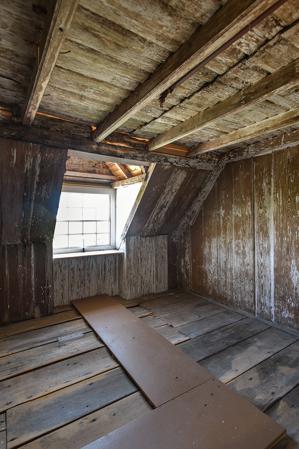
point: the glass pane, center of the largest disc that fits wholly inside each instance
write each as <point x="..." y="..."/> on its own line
<point x="74" y="213"/>
<point x="103" y="227"/>
<point x="63" y="202"/>
<point x="62" y="214"/>
<point x="89" y="227"/>
<point x="90" y="200"/>
<point x="76" y="241"/>
<point x="103" y="239"/>
<point x="75" y="199"/>
<point x="61" y="228"/>
<point x="90" y="240"/>
<point x="60" y="241"/>
<point x="75" y="227"/>
<point x="89" y="213"/>
<point x="103" y="207"/>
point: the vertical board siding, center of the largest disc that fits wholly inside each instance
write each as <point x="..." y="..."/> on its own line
<point x="245" y="241"/>
<point x="145" y="268"/>
<point x="80" y="277"/>
<point x="30" y="184"/>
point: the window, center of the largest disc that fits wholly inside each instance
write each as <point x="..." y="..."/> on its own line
<point x="85" y="220"/>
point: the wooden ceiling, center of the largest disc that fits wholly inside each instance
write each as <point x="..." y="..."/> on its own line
<point x="187" y="77"/>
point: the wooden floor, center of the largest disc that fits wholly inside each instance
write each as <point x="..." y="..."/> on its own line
<point x="61" y="388"/>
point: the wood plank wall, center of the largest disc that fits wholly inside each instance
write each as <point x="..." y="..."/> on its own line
<point x="140" y="270"/>
<point x="245" y="242"/>
<point x="30" y="185"/>
<point x="83" y="276"/>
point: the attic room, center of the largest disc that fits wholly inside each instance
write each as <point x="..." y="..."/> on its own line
<point x="149" y="224"/>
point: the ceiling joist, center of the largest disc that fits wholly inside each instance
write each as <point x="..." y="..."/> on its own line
<point x="220" y="31"/>
<point x="286" y="77"/>
<point x="52" y="42"/>
<point x="254" y="131"/>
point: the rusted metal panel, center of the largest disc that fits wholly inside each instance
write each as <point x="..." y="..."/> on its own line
<point x="30" y="184"/>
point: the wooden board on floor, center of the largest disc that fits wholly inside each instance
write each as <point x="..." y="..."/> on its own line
<point x="40" y="416"/>
<point x="45" y="380"/>
<point x="25" y="326"/>
<point x="270" y="380"/>
<point x="204" y="346"/>
<point x="208" y="417"/>
<point x="237" y="359"/>
<point x="22" y="362"/>
<point x="161" y="370"/>
<point x="210" y="323"/>
<point x="39" y="337"/>
<point x="87" y="429"/>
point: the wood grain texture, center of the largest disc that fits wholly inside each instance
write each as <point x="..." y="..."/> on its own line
<point x="30" y="185"/>
<point x="245" y="240"/>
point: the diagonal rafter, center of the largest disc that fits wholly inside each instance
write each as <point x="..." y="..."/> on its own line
<point x="284" y="78"/>
<point x="59" y="24"/>
<point x="229" y="23"/>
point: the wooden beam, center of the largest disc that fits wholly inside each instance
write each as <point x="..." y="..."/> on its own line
<point x="254" y="131"/>
<point x="284" y="78"/>
<point x="220" y="31"/>
<point x="59" y="25"/>
<point x="89" y="176"/>
<point x="128" y="181"/>
<point x="64" y="135"/>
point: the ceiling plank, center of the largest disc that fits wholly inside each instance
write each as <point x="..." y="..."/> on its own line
<point x="117" y="170"/>
<point x="128" y="181"/>
<point x="284" y="78"/>
<point x="254" y="131"/>
<point x="58" y="27"/>
<point x="62" y="135"/>
<point x="221" y="30"/>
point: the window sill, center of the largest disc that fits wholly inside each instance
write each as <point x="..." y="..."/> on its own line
<point x="87" y="254"/>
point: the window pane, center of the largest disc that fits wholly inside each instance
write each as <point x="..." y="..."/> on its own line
<point x="103" y="239"/>
<point x="62" y="214"/>
<point x="76" y="241"/>
<point x="91" y="200"/>
<point x="61" y="228"/>
<point x="89" y="227"/>
<point x="74" y="213"/>
<point x="75" y="199"/>
<point x="75" y="227"/>
<point x="60" y="241"/>
<point x="90" y="240"/>
<point x="89" y="213"/>
<point x="103" y="207"/>
<point x="103" y="227"/>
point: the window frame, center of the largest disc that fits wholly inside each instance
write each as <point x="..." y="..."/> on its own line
<point x="97" y="190"/>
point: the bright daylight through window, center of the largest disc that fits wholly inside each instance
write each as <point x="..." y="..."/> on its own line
<point x="85" y="221"/>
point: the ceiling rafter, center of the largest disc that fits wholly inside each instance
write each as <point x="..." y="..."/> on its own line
<point x="220" y="31"/>
<point x="52" y="41"/>
<point x="286" y="77"/>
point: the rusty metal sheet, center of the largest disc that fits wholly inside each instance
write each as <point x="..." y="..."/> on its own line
<point x="161" y="370"/>
<point x="208" y="417"/>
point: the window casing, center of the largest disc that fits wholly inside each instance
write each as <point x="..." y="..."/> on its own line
<point x="85" y="220"/>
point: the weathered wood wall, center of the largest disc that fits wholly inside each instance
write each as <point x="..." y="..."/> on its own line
<point x="145" y="268"/>
<point x="245" y="241"/>
<point x="30" y="185"/>
<point x="81" y="276"/>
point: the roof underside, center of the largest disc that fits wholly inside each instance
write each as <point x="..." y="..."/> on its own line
<point x="111" y="47"/>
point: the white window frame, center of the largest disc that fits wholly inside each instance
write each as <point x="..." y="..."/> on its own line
<point x="98" y="190"/>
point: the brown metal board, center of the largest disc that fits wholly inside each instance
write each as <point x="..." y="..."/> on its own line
<point x="209" y="417"/>
<point x="161" y="370"/>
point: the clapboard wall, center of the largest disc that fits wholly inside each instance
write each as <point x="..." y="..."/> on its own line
<point x="30" y="185"/>
<point x="245" y="241"/>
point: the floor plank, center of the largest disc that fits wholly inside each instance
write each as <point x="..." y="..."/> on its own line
<point x="171" y="334"/>
<point x="39" y="337"/>
<point x="25" y="326"/>
<point x="210" y="417"/>
<point x="161" y="370"/>
<point x="239" y="358"/>
<point x="286" y="412"/>
<point x="140" y="311"/>
<point x="95" y="425"/>
<point x="25" y="361"/>
<point x="210" y="323"/>
<point x="154" y="321"/>
<point x="270" y="380"/>
<point x="42" y="381"/>
<point x="204" y="346"/>
<point x="2" y="420"/>
<point x="37" y="417"/>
